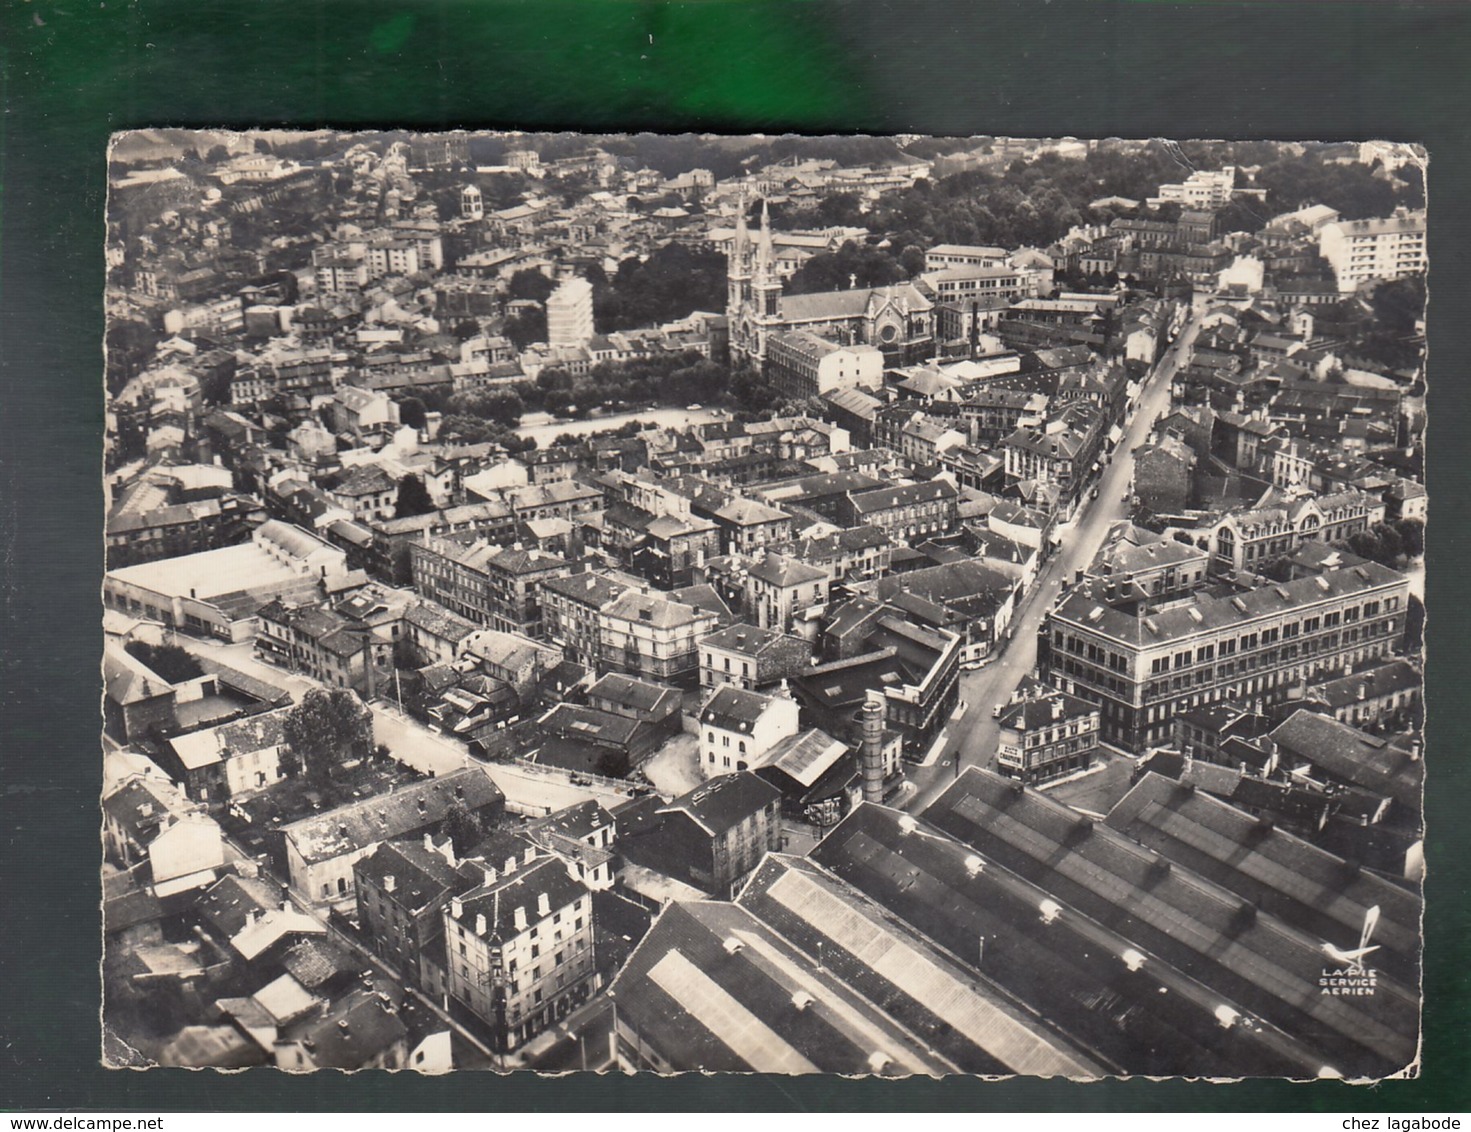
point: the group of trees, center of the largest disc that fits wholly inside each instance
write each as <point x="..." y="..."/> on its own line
<point x="673" y="282"/>
<point x="329" y="727"/>
<point x="661" y="379"/>
<point x="413" y="498"/>
<point x="855" y="265"/>
<point x="172" y="663"/>
<point x="1388" y="543"/>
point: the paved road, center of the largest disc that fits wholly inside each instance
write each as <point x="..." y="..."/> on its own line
<point x="585" y="1046"/>
<point x="973" y="739"/>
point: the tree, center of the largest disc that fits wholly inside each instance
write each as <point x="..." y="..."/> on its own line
<point x="526" y="326"/>
<point x="171" y="662"/>
<point x="1412" y="536"/>
<point x="328" y="727"/>
<point x="529" y="283"/>
<point x="463" y="827"/>
<point x="465" y="329"/>
<point x="411" y="412"/>
<point x="413" y="498"/>
<point x="401" y="564"/>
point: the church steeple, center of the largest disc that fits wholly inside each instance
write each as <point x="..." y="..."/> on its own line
<point x="765" y="257"/>
<point x="767" y="284"/>
<point x="738" y="265"/>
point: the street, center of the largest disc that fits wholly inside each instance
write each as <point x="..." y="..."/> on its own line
<point x="414" y="745"/>
<point x="973" y="740"/>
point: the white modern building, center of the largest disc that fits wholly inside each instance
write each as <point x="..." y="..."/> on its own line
<point x="569" y="313"/>
<point x="1388" y="247"/>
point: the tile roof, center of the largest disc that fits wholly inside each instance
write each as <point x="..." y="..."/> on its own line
<point x="589" y="724"/>
<point x="1389" y="769"/>
<point x="1386" y="679"/>
<point x="589" y="588"/>
<point x="227" y="904"/>
<point x="141" y="806"/>
<point x="886" y="498"/>
<point x="653" y="609"/>
<point x="237" y="737"/>
<point x="438" y="621"/>
<point x="749" y="640"/>
<point x="735" y="709"/>
<point x="388" y="816"/>
<point x="631" y="692"/>
<point x="521" y="888"/>
<point x="785" y="572"/>
<point x="724" y="801"/>
<point x="1147" y="625"/>
<point x="351" y="1033"/>
<point x="422" y="876"/>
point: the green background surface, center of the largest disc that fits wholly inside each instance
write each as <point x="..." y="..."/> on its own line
<point x="71" y="71"/>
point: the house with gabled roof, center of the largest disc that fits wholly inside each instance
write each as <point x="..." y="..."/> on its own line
<point x="712" y="837"/>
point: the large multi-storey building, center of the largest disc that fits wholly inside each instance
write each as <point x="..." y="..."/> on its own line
<point x="495" y="586"/>
<point x="1144" y="661"/>
<point x="654" y="637"/>
<point x="1205" y="188"/>
<point x="519" y="948"/>
<point x="803" y="365"/>
<point x="1252" y="539"/>
<point x="737" y="727"/>
<point x="571" y="608"/>
<point x="569" y="313"/>
<point x="907" y="512"/>
<point x="1364" y="250"/>
<point x="1045" y="733"/>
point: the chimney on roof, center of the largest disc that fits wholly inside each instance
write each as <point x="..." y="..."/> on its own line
<point x="480" y="923"/>
<point x="510" y="864"/>
<point x="250" y="918"/>
<point x="520" y="914"/>
<point x="390" y="883"/>
<point x="543" y="904"/>
<point x="456" y="908"/>
<point x="428" y="838"/>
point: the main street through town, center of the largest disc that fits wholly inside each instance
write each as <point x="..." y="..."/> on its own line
<point x="971" y="738"/>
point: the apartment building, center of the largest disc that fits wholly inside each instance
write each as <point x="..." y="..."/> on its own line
<point x="1144" y="661"/>
<point x="519" y="948"/>
<point x="1361" y="251"/>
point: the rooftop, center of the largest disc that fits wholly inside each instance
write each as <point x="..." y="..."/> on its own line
<point x="723" y="802"/>
<point x="1307" y="887"/>
<point x="390" y="816"/>
<point x="1241" y="952"/>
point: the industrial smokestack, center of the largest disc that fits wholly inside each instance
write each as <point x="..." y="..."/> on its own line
<point x="871" y="753"/>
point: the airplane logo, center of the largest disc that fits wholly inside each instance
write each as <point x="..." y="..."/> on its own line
<point x="1354" y="960"/>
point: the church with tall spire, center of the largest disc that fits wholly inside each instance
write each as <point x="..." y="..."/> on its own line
<point x="898" y="320"/>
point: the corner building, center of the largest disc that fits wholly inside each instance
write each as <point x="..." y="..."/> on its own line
<point x="1145" y="661"/>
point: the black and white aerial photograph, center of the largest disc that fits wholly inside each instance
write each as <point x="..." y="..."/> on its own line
<point x="869" y="606"/>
